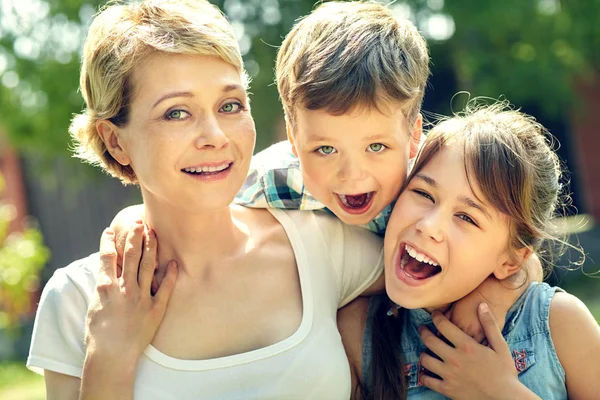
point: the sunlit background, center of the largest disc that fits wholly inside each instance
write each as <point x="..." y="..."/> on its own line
<point x="542" y="55"/>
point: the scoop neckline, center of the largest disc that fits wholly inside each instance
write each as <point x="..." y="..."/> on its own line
<point x="264" y="352"/>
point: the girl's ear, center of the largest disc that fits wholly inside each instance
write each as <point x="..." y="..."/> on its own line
<point x="416" y="134"/>
<point x="511" y="265"/>
<point x="109" y="134"/>
<point x="290" y="136"/>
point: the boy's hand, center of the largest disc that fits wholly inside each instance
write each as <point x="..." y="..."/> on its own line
<point x="499" y="295"/>
<point x="121" y="224"/>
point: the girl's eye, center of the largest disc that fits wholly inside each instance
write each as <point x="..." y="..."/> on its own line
<point x="376" y="147"/>
<point x="177" y="115"/>
<point x="326" y="150"/>
<point x="424" y="194"/>
<point x="468" y="219"/>
<point x="231" y="108"/>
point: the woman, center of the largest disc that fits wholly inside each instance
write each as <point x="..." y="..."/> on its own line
<point x="252" y="313"/>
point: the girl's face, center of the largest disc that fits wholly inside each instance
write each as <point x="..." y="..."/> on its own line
<point x="190" y="136"/>
<point x="443" y="239"/>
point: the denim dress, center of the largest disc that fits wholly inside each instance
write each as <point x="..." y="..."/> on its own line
<point x="526" y="331"/>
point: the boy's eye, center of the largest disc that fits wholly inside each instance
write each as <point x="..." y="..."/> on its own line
<point x="376" y="147"/>
<point x="326" y="150"/>
<point x="231" y="107"/>
<point x="468" y="219"/>
<point x="176" y="115"/>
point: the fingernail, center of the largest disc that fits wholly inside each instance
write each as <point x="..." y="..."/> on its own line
<point x="483" y="307"/>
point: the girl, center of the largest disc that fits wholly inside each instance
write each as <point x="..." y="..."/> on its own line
<point x="478" y="203"/>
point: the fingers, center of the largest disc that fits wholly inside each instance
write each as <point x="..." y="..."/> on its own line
<point x="432" y="364"/>
<point x="166" y="286"/>
<point x="450" y="331"/>
<point x="434" y="384"/>
<point x="132" y="255"/>
<point x="108" y="255"/>
<point x="149" y="261"/>
<point x="492" y="332"/>
<point x="435" y="344"/>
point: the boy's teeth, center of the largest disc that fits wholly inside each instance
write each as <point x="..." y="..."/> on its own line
<point x="343" y="200"/>
<point x="419" y="256"/>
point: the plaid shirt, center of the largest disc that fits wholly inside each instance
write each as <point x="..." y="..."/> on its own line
<point x="275" y="181"/>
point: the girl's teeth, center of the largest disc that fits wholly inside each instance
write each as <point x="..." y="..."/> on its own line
<point x="419" y="256"/>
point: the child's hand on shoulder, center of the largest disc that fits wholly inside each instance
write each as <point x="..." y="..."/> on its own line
<point x="121" y="224"/>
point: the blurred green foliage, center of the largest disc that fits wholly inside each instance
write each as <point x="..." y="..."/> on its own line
<point x="22" y="256"/>
<point x="533" y="52"/>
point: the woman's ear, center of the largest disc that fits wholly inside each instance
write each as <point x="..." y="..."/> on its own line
<point x="512" y="265"/>
<point x="109" y="134"/>
<point x="415" y="138"/>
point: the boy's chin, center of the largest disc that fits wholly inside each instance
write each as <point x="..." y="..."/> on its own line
<point x="354" y="219"/>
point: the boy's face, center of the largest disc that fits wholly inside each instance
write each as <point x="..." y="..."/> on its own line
<point x="356" y="163"/>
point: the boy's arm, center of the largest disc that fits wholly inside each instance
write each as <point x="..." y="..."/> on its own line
<point x="499" y="295"/>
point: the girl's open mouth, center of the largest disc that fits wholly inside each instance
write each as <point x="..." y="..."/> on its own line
<point x="415" y="267"/>
<point x="356" y="203"/>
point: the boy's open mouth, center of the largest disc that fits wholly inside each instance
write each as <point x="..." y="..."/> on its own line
<point x="416" y="265"/>
<point x="355" y="203"/>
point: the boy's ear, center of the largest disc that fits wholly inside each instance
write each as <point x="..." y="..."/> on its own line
<point x="290" y="136"/>
<point x="109" y="134"/>
<point x="415" y="140"/>
<point x="511" y="266"/>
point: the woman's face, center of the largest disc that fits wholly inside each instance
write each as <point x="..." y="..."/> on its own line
<point x="442" y="239"/>
<point x="190" y="136"/>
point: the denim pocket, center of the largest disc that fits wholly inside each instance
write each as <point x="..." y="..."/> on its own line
<point x="523" y="358"/>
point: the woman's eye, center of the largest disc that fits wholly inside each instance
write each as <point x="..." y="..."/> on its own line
<point x="376" y="147"/>
<point x="468" y="219"/>
<point x="177" y="115"/>
<point x="231" y="107"/>
<point x="326" y="150"/>
<point x="424" y="194"/>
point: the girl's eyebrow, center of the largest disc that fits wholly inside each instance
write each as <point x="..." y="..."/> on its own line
<point x="467" y="201"/>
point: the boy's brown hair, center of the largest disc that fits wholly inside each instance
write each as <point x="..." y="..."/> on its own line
<point x="349" y="54"/>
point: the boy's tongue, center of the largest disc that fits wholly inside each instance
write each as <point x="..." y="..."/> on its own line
<point x="420" y="270"/>
<point x="358" y="200"/>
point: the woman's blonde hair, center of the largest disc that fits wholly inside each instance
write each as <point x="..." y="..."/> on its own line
<point x="121" y="37"/>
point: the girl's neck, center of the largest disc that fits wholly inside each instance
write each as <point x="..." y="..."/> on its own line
<point x="195" y="240"/>
<point x="442" y="308"/>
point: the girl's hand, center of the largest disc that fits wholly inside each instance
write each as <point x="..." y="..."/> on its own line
<point x="470" y="370"/>
<point x="124" y="316"/>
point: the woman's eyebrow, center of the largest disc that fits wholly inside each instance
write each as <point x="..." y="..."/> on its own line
<point x="227" y="88"/>
<point x="172" y="95"/>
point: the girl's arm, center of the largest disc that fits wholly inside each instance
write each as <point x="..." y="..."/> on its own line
<point x="61" y="386"/>
<point x="351" y="321"/>
<point x="576" y="337"/>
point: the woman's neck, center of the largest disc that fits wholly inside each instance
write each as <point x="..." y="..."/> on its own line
<point x="196" y="240"/>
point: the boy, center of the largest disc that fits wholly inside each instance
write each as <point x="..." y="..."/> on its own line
<point x="351" y="77"/>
